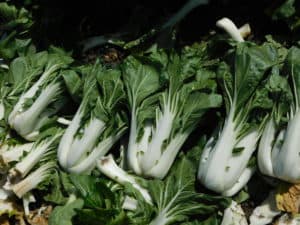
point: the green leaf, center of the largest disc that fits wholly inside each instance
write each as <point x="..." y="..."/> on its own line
<point x="98" y="204"/>
<point x="241" y="196"/>
<point x="226" y="82"/>
<point x="144" y="211"/>
<point x="141" y="80"/>
<point x="25" y="70"/>
<point x="112" y="93"/>
<point x="193" y="154"/>
<point x="142" y="83"/>
<point x="196" y="57"/>
<point x="56" y="195"/>
<point x="252" y="162"/>
<point x="238" y="150"/>
<point x="195" y="106"/>
<point x="15" y="23"/>
<point x="67" y="184"/>
<point x="94" y="192"/>
<point x="73" y="83"/>
<point x="62" y="215"/>
<point x="176" y="198"/>
<point x="101" y="216"/>
<point x="14" y="19"/>
<point x="251" y="65"/>
<point x="293" y="68"/>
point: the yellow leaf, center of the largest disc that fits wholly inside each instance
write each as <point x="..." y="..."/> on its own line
<point x="288" y="197"/>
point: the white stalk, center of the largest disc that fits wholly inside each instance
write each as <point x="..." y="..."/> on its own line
<point x="264" y="155"/>
<point x="133" y="150"/>
<point x="245" y="30"/>
<point x="27" y="199"/>
<point x="288" y="156"/>
<point x="162" y="133"/>
<point x="4" y="66"/>
<point x="4" y="194"/>
<point x="8" y="185"/>
<point x="14" y="153"/>
<point x="165" y="214"/>
<point x="287" y="219"/>
<point x="4" y="147"/>
<point x="2" y="110"/>
<point x="218" y="157"/>
<point x="32" y="136"/>
<point x="130" y="203"/>
<point x="234" y="215"/>
<point x="266" y="212"/>
<point x="166" y="160"/>
<point x="240" y="183"/>
<point x="64" y="121"/>
<point x="109" y="168"/>
<point x="227" y="25"/>
<point x="205" y="157"/>
<point x="36" y="154"/>
<point x="277" y="146"/>
<point x="67" y="139"/>
<point x="33" y="180"/>
<point x="28" y="94"/>
<point x="238" y="163"/>
<point x="24" y="122"/>
<point x="161" y="219"/>
<point x="143" y="144"/>
<point x="82" y="145"/>
<point x="87" y="164"/>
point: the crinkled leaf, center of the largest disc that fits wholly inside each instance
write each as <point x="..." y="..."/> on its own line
<point x="251" y="65"/>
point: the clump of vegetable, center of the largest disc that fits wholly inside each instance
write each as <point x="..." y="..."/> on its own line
<point x="98" y="122"/>
<point x="167" y="100"/>
<point x="224" y="165"/>
<point x="37" y="92"/>
<point x="278" y="151"/>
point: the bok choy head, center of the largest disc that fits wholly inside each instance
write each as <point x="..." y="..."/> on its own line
<point x="37" y="90"/>
<point x="168" y="98"/>
<point x="224" y="165"/>
<point x="98" y="123"/>
<point x="278" y="154"/>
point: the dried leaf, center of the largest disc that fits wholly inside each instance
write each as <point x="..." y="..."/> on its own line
<point x="288" y="197"/>
<point x="40" y="216"/>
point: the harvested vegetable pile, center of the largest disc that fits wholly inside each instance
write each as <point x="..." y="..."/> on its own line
<point x="148" y="128"/>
